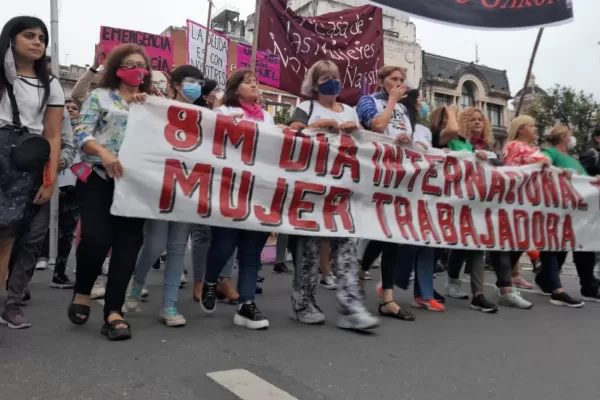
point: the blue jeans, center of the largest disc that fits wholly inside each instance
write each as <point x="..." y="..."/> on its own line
<point x="549" y="275"/>
<point x="158" y="235"/>
<point x="422" y="259"/>
<point x="201" y="235"/>
<point x="249" y="245"/>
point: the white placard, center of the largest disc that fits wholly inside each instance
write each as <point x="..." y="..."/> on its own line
<point x="218" y="47"/>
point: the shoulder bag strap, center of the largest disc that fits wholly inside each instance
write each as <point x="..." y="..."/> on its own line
<point x="13" y="105"/>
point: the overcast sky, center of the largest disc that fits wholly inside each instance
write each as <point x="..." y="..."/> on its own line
<point x="569" y="54"/>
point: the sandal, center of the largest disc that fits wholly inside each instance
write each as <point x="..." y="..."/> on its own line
<point x="110" y="330"/>
<point x="402" y="314"/>
<point x="76" y="310"/>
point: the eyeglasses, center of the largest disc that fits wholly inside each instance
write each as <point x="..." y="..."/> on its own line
<point x="133" y="64"/>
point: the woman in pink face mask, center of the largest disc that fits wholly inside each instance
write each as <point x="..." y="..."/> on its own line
<point x="98" y="135"/>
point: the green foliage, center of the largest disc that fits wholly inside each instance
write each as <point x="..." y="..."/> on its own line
<point x="564" y="106"/>
<point x="283" y="116"/>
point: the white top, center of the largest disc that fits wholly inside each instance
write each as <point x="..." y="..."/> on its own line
<point x="29" y="95"/>
<point x="422" y="134"/>
<point x="267" y="118"/>
<point x="302" y="113"/>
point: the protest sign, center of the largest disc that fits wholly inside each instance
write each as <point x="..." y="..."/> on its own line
<point x="187" y="164"/>
<point x="158" y="48"/>
<point x="267" y="65"/>
<point x="352" y="39"/>
<point x="496" y="14"/>
<point x="218" y="45"/>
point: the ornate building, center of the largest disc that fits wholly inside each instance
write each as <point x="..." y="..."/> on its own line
<point x="448" y="81"/>
<point x="532" y="93"/>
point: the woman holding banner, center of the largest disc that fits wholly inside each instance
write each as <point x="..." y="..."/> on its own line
<point x="475" y="135"/>
<point x="561" y="140"/>
<point x="322" y="85"/>
<point x="99" y="134"/>
<point x="241" y="95"/>
<point x="520" y="149"/>
<point x="186" y="86"/>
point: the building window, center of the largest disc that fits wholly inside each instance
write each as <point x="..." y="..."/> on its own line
<point x="467" y="98"/>
<point x="442" y="100"/>
<point x="495" y="114"/>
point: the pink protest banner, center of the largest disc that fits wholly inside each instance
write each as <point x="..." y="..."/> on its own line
<point x="158" y="48"/>
<point x="267" y="64"/>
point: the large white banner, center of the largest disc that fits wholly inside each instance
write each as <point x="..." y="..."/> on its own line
<point x="184" y="163"/>
<point x="218" y="48"/>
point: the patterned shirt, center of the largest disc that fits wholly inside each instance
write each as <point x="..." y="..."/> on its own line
<point x="103" y="118"/>
<point x="369" y="107"/>
<point x="518" y="153"/>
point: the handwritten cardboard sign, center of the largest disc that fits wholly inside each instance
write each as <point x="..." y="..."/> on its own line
<point x="218" y="50"/>
<point x="267" y="64"/>
<point x="158" y="48"/>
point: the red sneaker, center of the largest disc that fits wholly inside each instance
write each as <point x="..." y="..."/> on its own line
<point x="431" y="305"/>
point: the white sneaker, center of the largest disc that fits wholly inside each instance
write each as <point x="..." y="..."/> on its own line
<point x="453" y="289"/>
<point x="514" y="300"/>
<point x="98" y="290"/>
<point x="361" y="320"/>
<point x="328" y="282"/>
<point x="597" y="271"/>
<point x="171" y="317"/>
<point x="42" y="264"/>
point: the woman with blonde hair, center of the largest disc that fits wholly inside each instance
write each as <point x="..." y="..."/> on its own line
<point x="561" y="140"/>
<point x="322" y="86"/>
<point x="520" y="149"/>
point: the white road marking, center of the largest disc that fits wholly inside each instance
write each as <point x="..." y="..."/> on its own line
<point x="248" y="386"/>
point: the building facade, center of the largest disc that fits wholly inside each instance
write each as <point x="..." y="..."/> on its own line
<point x="532" y="94"/>
<point x="447" y="81"/>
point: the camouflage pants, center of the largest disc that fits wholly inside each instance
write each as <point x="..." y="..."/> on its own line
<point x="306" y="274"/>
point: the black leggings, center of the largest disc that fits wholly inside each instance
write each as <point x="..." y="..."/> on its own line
<point x="584" y="263"/>
<point x="100" y="230"/>
<point x="390" y="260"/>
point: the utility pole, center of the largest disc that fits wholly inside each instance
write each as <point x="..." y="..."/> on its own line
<point x="255" y="38"/>
<point x="53" y="239"/>
<point x="528" y="76"/>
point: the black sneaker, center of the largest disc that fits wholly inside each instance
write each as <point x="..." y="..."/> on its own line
<point x="439" y="267"/>
<point x="14" y="318"/>
<point x="260" y="279"/>
<point x="258" y="290"/>
<point x="61" y="282"/>
<point x="26" y="295"/>
<point x="249" y="316"/>
<point x="480" y="303"/>
<point x="563" y="299"/>
<point x="591" y="295"/>
<point x="281" y="268"/>
<point x="209" y="298"/>
<point x="438" y="297"/>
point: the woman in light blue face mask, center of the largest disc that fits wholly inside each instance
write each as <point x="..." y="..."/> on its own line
<point x="186" y="86"/>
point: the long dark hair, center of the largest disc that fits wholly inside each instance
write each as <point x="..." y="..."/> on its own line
<point x="230" y="97"/>
<point x="113" y="61"/>
<point x="40" y="66"/>
<point x="411" y="103"/>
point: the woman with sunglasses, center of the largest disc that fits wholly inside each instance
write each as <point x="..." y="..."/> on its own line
<point x="99" y="134"/>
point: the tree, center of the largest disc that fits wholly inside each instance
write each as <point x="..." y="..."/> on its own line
<point x="283" y="116"/>
<point x="565" y="106"/>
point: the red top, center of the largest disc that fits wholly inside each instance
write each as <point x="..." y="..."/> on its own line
<point x="520" y="153"/>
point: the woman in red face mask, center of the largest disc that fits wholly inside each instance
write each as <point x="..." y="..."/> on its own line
<point x="99" y="134"/>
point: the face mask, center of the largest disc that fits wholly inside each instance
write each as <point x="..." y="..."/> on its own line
<point x="132" y="76"/>
<point x="572" y="142"/>
<point x="424" y="110"/>
<point x="10" y="68"/>
<point x="191" y="91"/>
<point x="331" y="87"/>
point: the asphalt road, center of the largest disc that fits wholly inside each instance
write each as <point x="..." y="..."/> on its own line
<point x="544" y="353"/>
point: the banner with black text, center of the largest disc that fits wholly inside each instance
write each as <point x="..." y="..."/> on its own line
<point x="184" y="163"/>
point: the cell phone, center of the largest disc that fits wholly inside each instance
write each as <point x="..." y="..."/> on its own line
<point x="82" y="171"/>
